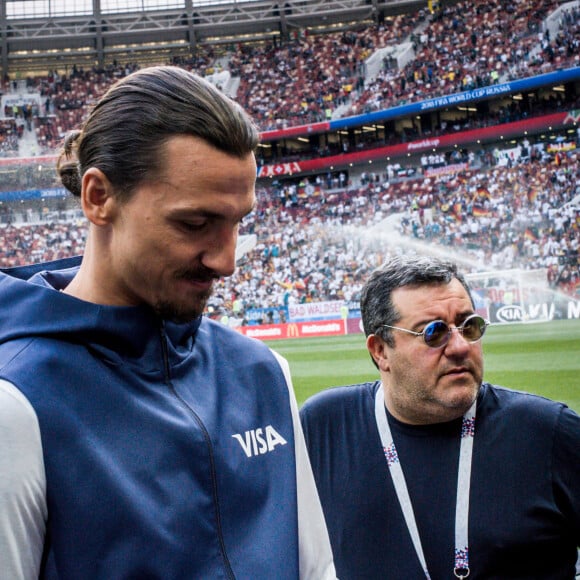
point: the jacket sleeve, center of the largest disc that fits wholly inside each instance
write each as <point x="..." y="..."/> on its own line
<point x="315" y="553"/>
<point x="22" y="487"/>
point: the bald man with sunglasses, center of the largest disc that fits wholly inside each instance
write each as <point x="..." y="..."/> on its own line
<point x="430" y="472"/>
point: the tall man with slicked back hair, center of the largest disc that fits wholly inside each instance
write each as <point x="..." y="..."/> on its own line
<point x="139" y="438"/>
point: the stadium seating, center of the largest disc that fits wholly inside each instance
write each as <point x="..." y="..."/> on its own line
<point x="316" y="76"/>
<point x="313" y="241"/>
<point x="317" y="246"/>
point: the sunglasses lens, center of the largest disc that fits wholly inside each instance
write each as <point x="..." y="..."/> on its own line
<point x="473" y="328"/>
<point x="436" y="333"/>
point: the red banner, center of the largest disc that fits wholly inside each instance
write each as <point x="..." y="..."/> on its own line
<point x="299" y="130"/>
<point x="294" y="330"/>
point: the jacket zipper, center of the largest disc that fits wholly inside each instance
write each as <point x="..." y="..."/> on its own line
<point x="197" y="419"/>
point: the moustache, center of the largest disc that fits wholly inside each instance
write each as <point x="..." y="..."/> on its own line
<point x="197" y="275"/>
<point x="464" y="364"/>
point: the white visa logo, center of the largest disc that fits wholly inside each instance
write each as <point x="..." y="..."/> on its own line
<point x="259" y="441"/>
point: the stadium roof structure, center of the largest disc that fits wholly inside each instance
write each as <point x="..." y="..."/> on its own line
<point x="41" y="35"/>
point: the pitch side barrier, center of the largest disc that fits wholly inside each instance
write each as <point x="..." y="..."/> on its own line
<point x="521" y="296"/>
<point x="311" y="329"/>
<point x="502" y="304"/>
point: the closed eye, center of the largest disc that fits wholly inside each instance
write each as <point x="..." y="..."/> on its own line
<point x="195" y="226"/>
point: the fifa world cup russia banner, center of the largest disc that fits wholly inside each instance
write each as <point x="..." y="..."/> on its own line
<point x="411" y="109"/>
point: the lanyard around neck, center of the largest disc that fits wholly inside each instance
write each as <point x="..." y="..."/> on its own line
<point x="461" y="565"/>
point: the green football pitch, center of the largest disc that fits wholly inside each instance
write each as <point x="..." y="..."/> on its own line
<point x="542" y="358"/>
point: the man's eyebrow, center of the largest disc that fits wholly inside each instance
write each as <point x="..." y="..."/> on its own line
<point x="190" y="213"/>
<point x="209" y="213"/>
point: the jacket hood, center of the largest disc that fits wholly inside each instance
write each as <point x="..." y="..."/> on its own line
<point x="33" y="306"/>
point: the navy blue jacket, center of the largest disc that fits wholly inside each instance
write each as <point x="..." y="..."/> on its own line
<point x="169" y="449"/>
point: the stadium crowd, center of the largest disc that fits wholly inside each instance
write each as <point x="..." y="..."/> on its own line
<point x="318" y="244"/>
<point x="313" y="77"/>
<point x="318" y="239"/>
<point x="471" y="45"/>
<point x="321" y="245"/>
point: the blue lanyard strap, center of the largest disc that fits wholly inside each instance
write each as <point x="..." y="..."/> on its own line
<point x="461" y="564"/>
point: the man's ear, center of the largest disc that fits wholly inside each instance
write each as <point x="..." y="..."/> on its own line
<point x="378" y="351"/>
<point x="97" y="199"/>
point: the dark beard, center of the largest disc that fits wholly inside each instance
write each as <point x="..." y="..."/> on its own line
<point x="182" y="314"/>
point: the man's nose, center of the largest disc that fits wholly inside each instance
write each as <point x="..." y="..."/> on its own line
<point x="220" y="256"/>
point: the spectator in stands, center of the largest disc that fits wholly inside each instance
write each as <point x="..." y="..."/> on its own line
<point x="138" y="438"/>
<point x="310" y="228"/>
<point x="430" y="472"/>
<point x="314" y="77"/>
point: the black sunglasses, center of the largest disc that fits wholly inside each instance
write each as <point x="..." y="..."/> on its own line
<point x="437" y="333"/>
